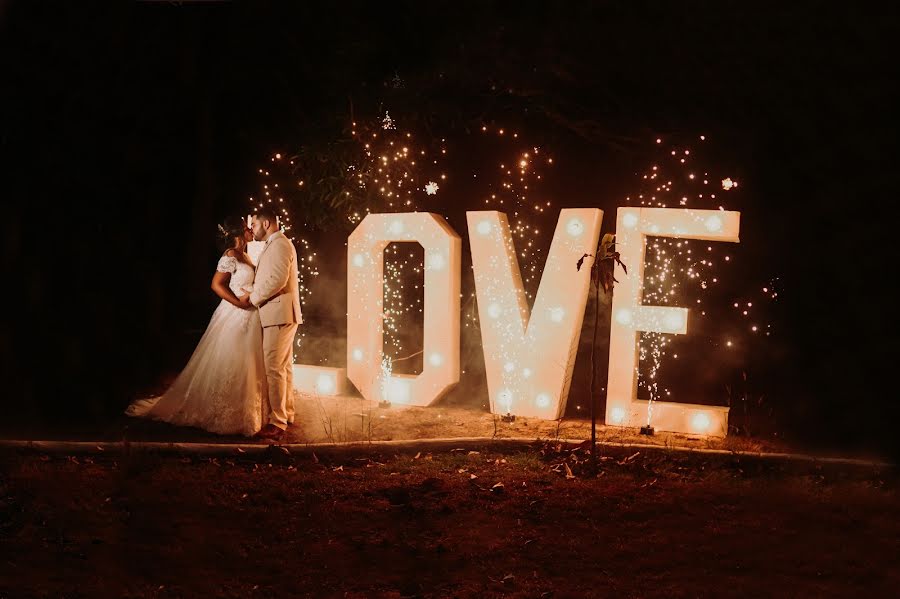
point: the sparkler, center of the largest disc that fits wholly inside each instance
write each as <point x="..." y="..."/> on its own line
<point x="680" y="271"/>
<point x="388" y="171"/>
<point x="277" y="181"/>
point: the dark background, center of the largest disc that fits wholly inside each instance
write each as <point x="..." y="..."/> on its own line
<point x="128" y="130"/>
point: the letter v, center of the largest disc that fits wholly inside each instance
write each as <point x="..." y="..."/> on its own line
<point x="529" y="359"/>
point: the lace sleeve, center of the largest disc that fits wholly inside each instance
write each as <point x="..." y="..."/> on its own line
<point x="227" y="264"/>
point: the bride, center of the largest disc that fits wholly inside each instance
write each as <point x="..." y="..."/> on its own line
<point x="223" y="387"/>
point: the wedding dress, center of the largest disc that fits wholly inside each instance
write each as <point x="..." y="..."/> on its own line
<point x="223" y="387"/>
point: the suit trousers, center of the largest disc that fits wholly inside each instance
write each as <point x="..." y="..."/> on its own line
<point x="278" y="355"/>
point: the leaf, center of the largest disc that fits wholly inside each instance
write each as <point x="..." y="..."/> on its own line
<point x="580" y="262"/>
<point x="619" y="261"/>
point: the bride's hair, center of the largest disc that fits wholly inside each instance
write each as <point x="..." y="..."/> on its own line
<point x="227" y="231"/>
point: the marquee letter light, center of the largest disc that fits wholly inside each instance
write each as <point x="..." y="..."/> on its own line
<point x="630" y="316"/>
<point x="365" y="307"/>
<point x="529" y="360"/>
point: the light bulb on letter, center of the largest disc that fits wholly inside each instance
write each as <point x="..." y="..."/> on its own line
<point x="436" y="261"/>
<point x="674" y="321"/>
<point x="713" y="223"/>
<point x="700" y="422"/>
<point x="325" y="384"/>
<point x="575" y="227"/>
<point x="494" y="310"/>
<point x="630" y="220"/>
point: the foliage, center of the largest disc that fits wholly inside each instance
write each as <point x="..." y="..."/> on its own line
<point x="604" y="264"/>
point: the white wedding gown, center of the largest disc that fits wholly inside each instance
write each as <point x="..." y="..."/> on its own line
<point x="223" y="387"/>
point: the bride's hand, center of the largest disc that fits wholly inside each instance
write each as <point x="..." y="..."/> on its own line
<point x="245" y="302"/>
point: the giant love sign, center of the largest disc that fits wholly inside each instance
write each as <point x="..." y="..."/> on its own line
<point x="529" y="357"/>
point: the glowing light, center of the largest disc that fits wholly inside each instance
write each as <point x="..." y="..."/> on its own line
<point x="728" y="184"/>
<point x="359" y="260"/>
<point x="623" y="316"/>
<point x="700" y="422"/>
<point x="435" y="359"/>
<point x="436" y="261"/>
<point x="319" y="380"/>
<point x="358" y="354"/>
<point x="484" y="227"/>
<point x="713" y="223"/>
<point x="630" y="220"/>
<point x="575" y="227"/>
<point x="617" y="415"/>
<point x="396" y="227"/>
<point x="494" y="310"/>
<point x="325" y="384"/>
<point x="398" y="390"/>
<point x="674" y="321"/>
<point x="431" y="188"/>
<point x="543" y="400"/>
<point x="557" y="314"/>
<point x="526" y="372"/>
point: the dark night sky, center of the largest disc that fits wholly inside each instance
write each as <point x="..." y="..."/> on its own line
<point x="128" y="130"/>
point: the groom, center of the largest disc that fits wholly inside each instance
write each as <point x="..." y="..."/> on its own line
<point x="277" y="295"/>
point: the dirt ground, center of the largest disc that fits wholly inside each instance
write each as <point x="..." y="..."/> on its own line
<point x="352" y="419"/>
<point x="466" y="523"/>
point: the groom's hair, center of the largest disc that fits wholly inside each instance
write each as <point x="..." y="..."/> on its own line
<point x="266" y="213"/>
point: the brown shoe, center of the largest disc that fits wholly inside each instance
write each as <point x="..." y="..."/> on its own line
<point x="270" y="431"/>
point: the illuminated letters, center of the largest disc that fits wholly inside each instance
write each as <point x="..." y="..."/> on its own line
<point x="629" y="316"/>
<point x="365" y="307"/>
<point x="529" y="358"/>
